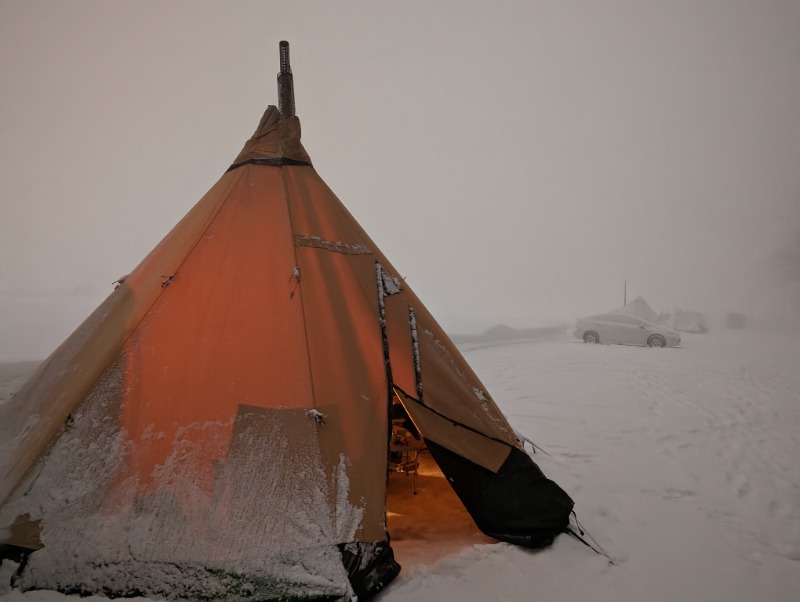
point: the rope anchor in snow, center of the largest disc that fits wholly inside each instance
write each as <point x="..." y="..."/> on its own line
<point x="578" y="531"/>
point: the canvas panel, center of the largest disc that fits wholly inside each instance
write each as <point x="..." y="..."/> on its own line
<point x="167" y="256"/>
<point x="176" y="486"/>
<point x="442" y="362"/>
<point x="348" y="372"/>
<point x="37" y="412"/>
<point x="344" y="341"/>
<point x="401" y="343"/>
<point x="474" y="446"/>
<point x="271" y="521"/>
<point x="226" y="331"/>
<point x="34" y="415"/>
<point x="450" y="386"/>
<point x="316" y="210"/>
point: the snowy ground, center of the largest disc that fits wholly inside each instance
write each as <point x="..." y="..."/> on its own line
<point x="684" y="465"/>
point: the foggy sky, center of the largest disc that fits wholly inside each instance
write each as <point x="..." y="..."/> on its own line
<point x="516" y="161"/>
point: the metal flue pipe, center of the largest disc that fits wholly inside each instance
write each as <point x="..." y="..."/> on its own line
<point x="285" y="83"/>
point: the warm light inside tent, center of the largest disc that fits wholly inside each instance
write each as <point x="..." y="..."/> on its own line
<point x="430" y="524"/>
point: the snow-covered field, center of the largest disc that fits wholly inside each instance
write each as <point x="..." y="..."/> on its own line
<point x="684" y="465"/>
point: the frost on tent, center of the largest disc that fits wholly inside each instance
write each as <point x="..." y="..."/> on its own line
<point x="391" y="285"/>
<point x="481" y="397"/>
<point x="445" y="353"/>
<point x="191" y="533"/>
<point x="490" y="410"/>
<point x="294" y="279"/>
<point x="318" y="416"/>
<point x="348" y="517"/>
<point x="346" y="248"/>
<point x="412" y="322"/>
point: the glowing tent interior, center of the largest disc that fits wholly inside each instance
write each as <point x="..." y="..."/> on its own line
<point x="218" y="428"/>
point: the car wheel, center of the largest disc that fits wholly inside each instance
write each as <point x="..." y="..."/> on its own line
<point x="656" y="341"/>
<point x="591" y="337"/>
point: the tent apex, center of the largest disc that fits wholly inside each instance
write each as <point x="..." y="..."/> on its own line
<point x="276" y="141"/>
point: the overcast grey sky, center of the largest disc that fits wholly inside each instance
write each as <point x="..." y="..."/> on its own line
<point x="517" y="161"/>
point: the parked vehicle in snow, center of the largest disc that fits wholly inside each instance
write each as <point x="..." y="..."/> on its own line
<point x="625" y="330"/>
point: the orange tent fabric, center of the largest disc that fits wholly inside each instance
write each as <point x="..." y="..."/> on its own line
<point x="219" y="425"/>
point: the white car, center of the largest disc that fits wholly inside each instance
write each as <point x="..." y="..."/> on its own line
<point x="625" y="330"/>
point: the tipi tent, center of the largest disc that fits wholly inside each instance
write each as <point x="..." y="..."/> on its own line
<point x="639" y="308"/>
<point x="689" y="321"/>
<point x="219" y="427"/>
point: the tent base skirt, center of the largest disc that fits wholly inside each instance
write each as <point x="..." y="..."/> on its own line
<point x="370" y="566"/>
<point x="365" y="569"/>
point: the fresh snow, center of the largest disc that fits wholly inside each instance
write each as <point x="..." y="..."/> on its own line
<point x="683" y="464"/>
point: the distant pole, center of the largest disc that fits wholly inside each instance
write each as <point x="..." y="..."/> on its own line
<point x="625" y="294"/>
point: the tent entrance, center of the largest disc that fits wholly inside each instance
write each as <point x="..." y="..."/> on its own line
<point x="431" y="524"/>
<point x="425" y="518"/>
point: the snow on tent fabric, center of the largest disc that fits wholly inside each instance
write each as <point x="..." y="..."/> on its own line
<point x="221" y="432"/>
